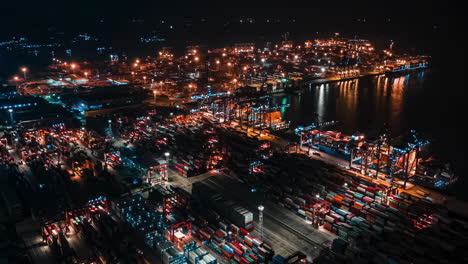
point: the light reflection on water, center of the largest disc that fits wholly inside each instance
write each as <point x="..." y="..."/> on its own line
<point x="360" y="104"/>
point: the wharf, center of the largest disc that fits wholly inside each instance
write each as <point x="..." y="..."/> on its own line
<point x="337" y="79"/>
<point x="454" y="205"/>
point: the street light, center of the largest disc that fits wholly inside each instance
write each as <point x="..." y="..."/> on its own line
<point x="154" y="95"/>
<point x="11" y="115"/>
<point x="166" y="172"/>
<point x="16" y="78"/>
<point x="260" y="219"/>
<point x="73" y="66"/>
<point x="110" y="128"/>
<point x="24" y="70"/>
<point x="86" y="74"/>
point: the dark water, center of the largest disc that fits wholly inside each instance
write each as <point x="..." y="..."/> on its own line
<point x="361" y="105"/>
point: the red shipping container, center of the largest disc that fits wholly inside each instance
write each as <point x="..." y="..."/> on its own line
<point x="220" y="233"/>
<point x="243" y="231"/>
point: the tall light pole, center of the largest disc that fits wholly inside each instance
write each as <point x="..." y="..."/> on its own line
<point x="110" y="128"/>
<point x="144" y="79"/>
<point x="73" y="66"/>
<point x="166" y="172"/>
<point x="154" y="97"/>
<point x="16" y="78"/>
<point x="260" y="219"/>
<point x="11" y="115"/>
<point x="24" y="70"/>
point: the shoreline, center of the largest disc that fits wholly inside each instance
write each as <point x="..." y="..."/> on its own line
<point x="368" y="74"/>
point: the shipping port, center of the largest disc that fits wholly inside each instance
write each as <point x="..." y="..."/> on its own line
<point x="198" y="154"/>
<point x="209" y="193"/>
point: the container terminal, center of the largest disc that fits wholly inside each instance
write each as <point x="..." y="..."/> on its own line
<point x="181" y="160"/>
<point x="185" y="188"/>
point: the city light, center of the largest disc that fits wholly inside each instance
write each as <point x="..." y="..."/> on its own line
<point x="24" y="70"/>
<point x="224" y="131"/>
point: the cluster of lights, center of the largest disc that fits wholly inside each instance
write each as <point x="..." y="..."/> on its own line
<point x="17" y="106"/>
<point x="388" y="53"/>
<point x="197" y="97"/>
<point x="58" y="125"/>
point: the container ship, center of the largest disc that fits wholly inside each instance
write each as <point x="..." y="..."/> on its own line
<point x="332" y="142"/>
<point x="405" y="68"/>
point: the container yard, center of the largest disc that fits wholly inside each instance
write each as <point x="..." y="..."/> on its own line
<point x="184" y="189"/>
<point x="197" y="241"/>
<point x="367" y="216"/>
